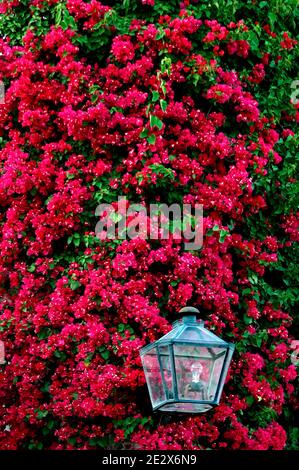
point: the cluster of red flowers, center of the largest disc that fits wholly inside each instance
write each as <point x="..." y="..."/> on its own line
<point x="74" y="310"/>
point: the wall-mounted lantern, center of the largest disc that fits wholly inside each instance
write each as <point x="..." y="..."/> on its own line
<point x="185" y="370"/>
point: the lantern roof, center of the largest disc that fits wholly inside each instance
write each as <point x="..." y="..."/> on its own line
<point x="189" y="330"/>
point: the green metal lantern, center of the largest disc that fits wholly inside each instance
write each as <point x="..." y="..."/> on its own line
<point x="185" y="370"/>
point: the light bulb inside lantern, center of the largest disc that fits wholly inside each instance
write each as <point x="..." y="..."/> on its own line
<point x="196" y="370"/>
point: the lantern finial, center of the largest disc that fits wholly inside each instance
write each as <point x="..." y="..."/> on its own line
<point x="189" y="310"/>
<point x="189" y="318"/>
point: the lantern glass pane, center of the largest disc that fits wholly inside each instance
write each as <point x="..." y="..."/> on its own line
<point x="166" y="370"/>
<point x="151" y="366"/>
<point x="215" y="374"/>
<point x="197" y="371"/>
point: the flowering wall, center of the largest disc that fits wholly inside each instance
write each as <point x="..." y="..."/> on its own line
<point x="186" y="102"/>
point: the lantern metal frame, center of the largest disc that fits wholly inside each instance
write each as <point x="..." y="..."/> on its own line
<point x="172" y="339"/>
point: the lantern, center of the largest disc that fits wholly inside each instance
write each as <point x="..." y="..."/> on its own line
<point x="185" y="370"/>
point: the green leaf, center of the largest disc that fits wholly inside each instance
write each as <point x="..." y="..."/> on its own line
<point x="155" y="122"/>
<point x="93" y="442"/>
<point x="44" y="333"/>
<point x="254" y="41"/>
<point x="250" y="400"/>
<point x="76" y="242"/>
<point x="61" y="355"/>
<point x="246" y="291"/>
<point x="247" y="320"/>
<point x="160" y="35"/>
<point x="68" y="21"/>
<point x="223" y="235"/>
<point x="272" y="18"/>
<point x="166" y="65"/>
<point x="151" y="139"/>
<point x="156" y="96"/>
<point x="74" y="284"/>
<point x="163" y="105"/>
<point x="72" y="440"/>
<point x="105" y="355"/>
<point x="41" y="414"/>
<point x="143" y="133"/>
<point x="58" y="14"/>
<point x="31" y="268"/>
<point x="253" y="278"/>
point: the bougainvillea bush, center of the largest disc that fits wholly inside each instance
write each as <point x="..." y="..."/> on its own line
<point x="186" y="102"/>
